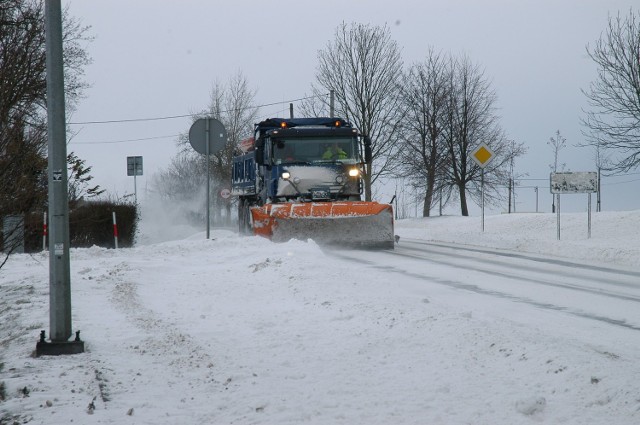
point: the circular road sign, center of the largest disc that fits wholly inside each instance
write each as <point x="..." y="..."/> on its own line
<point x="198" y="135"/>
<point x="225" y="193"/>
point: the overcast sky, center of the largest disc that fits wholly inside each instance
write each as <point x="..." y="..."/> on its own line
<point x="159" y="58"/>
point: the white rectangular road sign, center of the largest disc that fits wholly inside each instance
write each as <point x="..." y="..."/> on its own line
<point x="576" y="182"/>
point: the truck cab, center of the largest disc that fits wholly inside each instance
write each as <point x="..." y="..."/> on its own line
<point x="301" y="160"/>
<point x="305" y="163"/>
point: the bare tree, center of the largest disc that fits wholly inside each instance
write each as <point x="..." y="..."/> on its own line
<point x="22" y="60"/>
<point x="234" y="108"/>
<point x="613" y="121"/>
<point x="423" y="155"/>
<point x="557" y="144"/>
<point x="23" y="184"/>
<point x="514" y="150"/>
<point x="362" y="66"/>
<point x="180" y="180"/>
<point x="232" y="104"/>
<point x="472" y="120"/>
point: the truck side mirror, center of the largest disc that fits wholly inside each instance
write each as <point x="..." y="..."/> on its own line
<point x="368" y="156"/>
<point x="260" y="152"/>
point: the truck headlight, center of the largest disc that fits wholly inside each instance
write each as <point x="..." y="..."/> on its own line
<point x="354" y="172"/>
<point x="286" y="175"/>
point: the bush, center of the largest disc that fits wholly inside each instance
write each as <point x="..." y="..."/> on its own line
<point x="89" y="224"/>
<point x="92" y="224"/>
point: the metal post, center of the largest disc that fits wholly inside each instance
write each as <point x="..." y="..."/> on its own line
<point x="509" y="203"/>
<point x="589" y="217"/>
<point x="59" y="270"/>
<point x="482" y="195"/>
<point x="44" y="232"/>
<point x="207" y="149"/>
<point x="536" y="189"/>
<point x="513" y="188"/>
<point x="115" y="230"/>
<point x="598" y="201"/>
<point x="332" y="97"/>
<point x="558" y="213"/>
<point x="395" y="199"/>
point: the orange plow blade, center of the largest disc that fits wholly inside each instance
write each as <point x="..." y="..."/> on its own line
<point x="353" y="223"/>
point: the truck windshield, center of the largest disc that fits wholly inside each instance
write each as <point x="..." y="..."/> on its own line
<point x="313" y="150"/>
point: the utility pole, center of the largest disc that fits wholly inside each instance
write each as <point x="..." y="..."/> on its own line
<point x="513" y="189"/>
<point x="598" y="203"/>
<point x="509" y="209"/>
<point x="59" y="269"/>
<point x="332" y="97"/>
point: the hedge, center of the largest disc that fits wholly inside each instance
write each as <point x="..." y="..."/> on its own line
<point x="89" y="224"/>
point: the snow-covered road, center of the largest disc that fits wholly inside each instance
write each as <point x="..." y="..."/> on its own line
<point x="603" y="292"/>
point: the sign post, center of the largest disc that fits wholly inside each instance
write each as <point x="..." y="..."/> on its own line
<point x="207" y="136"/>
<point x="482" y="155"/>
<point x="574" y="182"/>
<point x="134" y="168"/>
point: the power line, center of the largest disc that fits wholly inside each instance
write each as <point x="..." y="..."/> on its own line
<point x="603" y="176"/>
<point x="545" y="180"/>
<point x="132" y="120"/>
<point x="617" y="183"/>
<point x="170" y="117"/>
<point x="620" y="175"/>
<point x="125" y="141"/>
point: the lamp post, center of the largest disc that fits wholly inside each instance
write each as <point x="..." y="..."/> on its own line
<point x="59" y="268"/>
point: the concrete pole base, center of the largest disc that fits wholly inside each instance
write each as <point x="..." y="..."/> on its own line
<point x="57" y="348"/>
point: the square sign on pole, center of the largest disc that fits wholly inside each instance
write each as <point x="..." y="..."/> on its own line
<point x="134" y="166"/>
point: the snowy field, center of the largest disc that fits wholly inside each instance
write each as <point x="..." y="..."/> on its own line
<point x="243" y="331"/>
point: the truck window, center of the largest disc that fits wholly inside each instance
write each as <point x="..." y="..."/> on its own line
<point x="284" y="152"/>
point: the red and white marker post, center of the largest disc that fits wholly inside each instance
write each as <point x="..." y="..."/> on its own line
<point x="115" y="230"/>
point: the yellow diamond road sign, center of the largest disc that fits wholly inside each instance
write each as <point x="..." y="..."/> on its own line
<point x="482" y="155"/>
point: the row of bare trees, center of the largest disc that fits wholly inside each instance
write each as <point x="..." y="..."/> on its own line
<point x="449" y="109"/>
<point x="424" y="122"/>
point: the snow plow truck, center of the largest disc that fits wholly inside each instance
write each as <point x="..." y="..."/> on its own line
<point x="302" y="178"/>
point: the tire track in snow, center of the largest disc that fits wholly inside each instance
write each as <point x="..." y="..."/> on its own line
<point x="379" y="262"/>
<point x="165" y="340"/>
